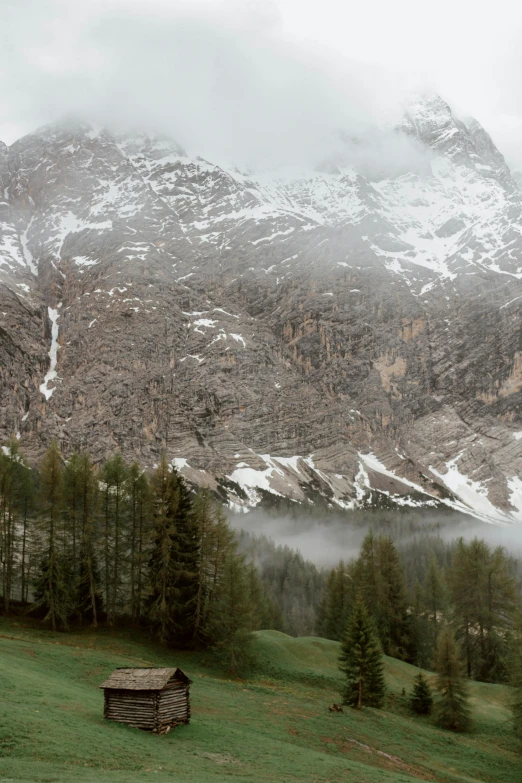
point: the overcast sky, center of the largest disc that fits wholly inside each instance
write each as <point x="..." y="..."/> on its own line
<point x="240" y="78"/>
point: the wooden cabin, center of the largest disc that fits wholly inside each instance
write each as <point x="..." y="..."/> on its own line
<point x="150" y="699"/>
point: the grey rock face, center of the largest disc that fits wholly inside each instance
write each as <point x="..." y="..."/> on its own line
<point x="326" y="334"/>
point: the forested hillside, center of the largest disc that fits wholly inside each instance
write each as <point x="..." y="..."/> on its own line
<point x="85" y="545"/>
<point x="113" y="546"/>
<point x="413" y="592"/>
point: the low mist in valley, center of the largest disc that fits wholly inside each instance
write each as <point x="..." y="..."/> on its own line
<point x="324" y="540"/>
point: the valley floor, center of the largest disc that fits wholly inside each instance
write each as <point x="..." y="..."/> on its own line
<point x="274" y="726"/>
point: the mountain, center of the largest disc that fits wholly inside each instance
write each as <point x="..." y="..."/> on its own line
<point x="339" y="335"/>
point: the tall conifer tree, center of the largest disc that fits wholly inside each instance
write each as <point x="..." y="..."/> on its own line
<point x="379" y="577"/>
<point x="53" y="584"/>
<point x="72" y="503"/>
<point x="221" y="544"/>
<point x="337" y="600"/>
<point x="162" y="560"/>
<point x="26" y="491"/>
<point x="186" y="546"/>
<point x="420" y="646"/>
<point x="204" y="514"/>
<point x="435" y="597"/>
<point x="115" y="475"/>
<point x="361" y="661"/>
<point x="8" y="517"/>
<point x="451" y="709"/>
<point x="88" y="597"/>
<point x="174" y="562"/>
<point x="421" y="698"/>
<point x="483" y="594"/>
<point x="140" y="511"/>
<point x="231" y="616"/>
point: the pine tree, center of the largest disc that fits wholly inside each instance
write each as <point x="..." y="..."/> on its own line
<point x="379" y="577"/>
<point x="8" y="518"/>
<point x="483" y="594"/>
<point x="115" y="475"/>
<point x="88" y="602"/>
<point x="88" y="593"/>
<point x="53" y="588"/>
<point x="54" y="583"/>
<point x="186" y="544"/>
<point x="216" y="542"/>
<point x="217" y="548"/>
<point x="222" y="545"/>
<point x="256" y="598"/>
<point x="162" y="573"/>
<point x="463" y="601"/>
<point x="361" y="661"/>
<point x="337" y="599"/>
<point x="421" y="698"/>
<point x="451" y="708"/>
<point x="367" y="574"/>
<point x="392" y="615"/>
<point x="26" y="501"/>
<point x="502" y="604"/>
<point x="72" y="502"/>
<point x="140" y="510"/>
<point x="7" y="527"/>
<point x="174" y="563"/>
<point x="420" y="649"/>
<point x="435" y="598"/>
<point x="230" y="616"/>
<point x="204" y="514"/>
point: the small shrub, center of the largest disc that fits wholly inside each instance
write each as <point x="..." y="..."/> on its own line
<point x="421" y="699"/>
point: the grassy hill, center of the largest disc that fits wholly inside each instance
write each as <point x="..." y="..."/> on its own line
<point x="272" y="727"/>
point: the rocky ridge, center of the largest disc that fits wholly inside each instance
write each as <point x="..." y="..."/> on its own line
<point x="324" y="335"/>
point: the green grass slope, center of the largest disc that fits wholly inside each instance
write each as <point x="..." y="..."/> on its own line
<point x="272" y="727"/>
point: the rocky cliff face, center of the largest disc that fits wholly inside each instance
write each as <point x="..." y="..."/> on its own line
<point x="325" y="334"/>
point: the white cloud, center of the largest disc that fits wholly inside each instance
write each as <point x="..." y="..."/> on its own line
<point x="242" y="79"/>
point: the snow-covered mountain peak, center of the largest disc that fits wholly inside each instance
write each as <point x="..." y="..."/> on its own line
<point x="153" y="147"/>
<point x="429" y="201"/>
<point x="157" y="300"/>
<point x="463" y="141"/>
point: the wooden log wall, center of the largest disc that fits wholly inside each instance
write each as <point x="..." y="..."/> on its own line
<point x="173" y="706"/>
<point x="137" y="708"/>
<point x="150" y="710"/>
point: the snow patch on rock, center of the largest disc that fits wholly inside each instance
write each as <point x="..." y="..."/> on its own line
<point x="53" y="354"/>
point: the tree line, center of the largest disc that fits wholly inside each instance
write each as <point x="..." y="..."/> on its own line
<point x="84" y="544"/>
<point x="474" y="591"/>
<point x="463" y="621"/>
<point x="293" y="585"/>
<point x="361" y="661"/>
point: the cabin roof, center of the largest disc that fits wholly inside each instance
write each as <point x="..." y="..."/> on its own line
<point x="136" y="679"/>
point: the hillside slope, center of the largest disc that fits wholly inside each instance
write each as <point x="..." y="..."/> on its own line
<point x="272" y="727"/>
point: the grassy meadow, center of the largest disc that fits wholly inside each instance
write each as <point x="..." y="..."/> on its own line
<point x="275" y="726"/>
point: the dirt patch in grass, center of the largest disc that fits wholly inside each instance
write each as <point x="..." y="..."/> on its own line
<point x="382" y="759"/>
<point x="220" y="758"/>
